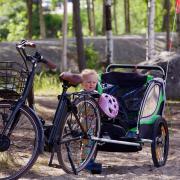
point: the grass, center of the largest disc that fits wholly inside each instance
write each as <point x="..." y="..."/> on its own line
<point x="48" y="84"/>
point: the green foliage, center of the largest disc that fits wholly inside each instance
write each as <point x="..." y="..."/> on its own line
<point x="3" y="32"/>
<point x="13" y="24"/>
<point x="84" y="22"/>
<point x="53" y="24"/>
<point x="35" y="22"/>
<point x="92" y="57"/>
<point x="138" y="16"/>
<point x="46" y="83"/>
<point x="158" y="15"/>
<point x="13" y="18"/>
<point x="55" y="3"/>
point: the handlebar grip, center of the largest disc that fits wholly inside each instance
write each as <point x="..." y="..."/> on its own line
<point x="25" y="43"/>
<point x="50" y="64"/>
<point x="30" y="44"/>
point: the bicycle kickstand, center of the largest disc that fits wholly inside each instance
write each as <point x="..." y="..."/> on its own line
<point x="51" y="158"/>
<point x="50" y="164"/>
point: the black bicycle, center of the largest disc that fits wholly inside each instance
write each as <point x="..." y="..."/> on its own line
<point x="23" y="135"/>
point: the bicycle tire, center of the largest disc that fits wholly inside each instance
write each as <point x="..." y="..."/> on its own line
<point x="17" y="157"/>
<point x="72" y="128"/>
<point x="160" y="144"/>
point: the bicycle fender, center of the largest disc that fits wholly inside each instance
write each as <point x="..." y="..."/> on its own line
<point x="40" y="130"/>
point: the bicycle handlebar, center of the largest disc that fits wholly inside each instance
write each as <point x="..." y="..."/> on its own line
<point x="50" y="64"/>
<point x="37" y="56"/>
<point x="25" y="43"/>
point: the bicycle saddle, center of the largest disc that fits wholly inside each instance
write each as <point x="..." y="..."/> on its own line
<point x="72" y="78"/>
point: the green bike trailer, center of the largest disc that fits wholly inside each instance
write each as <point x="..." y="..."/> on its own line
<point x="140" y="91"/>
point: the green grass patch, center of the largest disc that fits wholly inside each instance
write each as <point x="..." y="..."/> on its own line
<point x="48" y="84"/>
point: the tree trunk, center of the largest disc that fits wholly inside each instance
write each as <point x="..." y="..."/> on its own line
<point x="89" y="13"/>
<point x="150" y="35"/>
<point x="64" y="53"/>
<point x="109" y="44"/>
<point x="29" y="3"/>
<point x="103" y="18"/>
<point x="93" y="18"/>
<point x="165" y="15"/>
<point x="79" y="35"/>
<point x="127" y="16"/>
<point x="115" y="17"/>
<point x="166" y="23"/>
<point x="41" y="21"/>
<point x="29" y="15"/>
<point x="178" y="30"/>
<point x="168" y="43"/>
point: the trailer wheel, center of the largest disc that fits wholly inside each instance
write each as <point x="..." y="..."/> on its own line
<point x="160" y="142"/>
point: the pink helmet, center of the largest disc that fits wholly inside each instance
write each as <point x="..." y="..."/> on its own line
<point x="109" y="105"/>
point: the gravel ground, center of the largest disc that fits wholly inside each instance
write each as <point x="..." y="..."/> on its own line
<point x="133" y="166"/>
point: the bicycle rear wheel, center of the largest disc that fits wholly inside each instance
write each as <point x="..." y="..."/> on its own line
<point x="20" y="149"/>
<point x="78" y="149"/>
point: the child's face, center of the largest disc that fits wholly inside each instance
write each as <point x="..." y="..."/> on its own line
<point x="89" y="82"/>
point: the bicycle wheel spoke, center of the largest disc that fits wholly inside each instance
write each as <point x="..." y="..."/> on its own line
<point x="17" y="156"/>
<point x="80" y="146"/>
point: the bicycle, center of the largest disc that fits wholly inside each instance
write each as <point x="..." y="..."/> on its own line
<point x="23" y="135"/>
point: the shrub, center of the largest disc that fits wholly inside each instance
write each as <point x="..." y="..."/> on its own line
<point x="92" y="57"/>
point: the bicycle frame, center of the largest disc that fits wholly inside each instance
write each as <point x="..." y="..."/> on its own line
<point x="63" y="107"/>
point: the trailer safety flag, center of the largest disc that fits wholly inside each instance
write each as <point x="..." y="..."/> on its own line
<point x="177" y="6"/>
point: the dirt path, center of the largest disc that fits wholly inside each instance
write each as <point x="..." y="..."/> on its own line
<point x="123" y="166"/>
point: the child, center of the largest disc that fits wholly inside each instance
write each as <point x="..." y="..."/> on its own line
<point x="91" y="80"/>
<point x="89" y="83"/>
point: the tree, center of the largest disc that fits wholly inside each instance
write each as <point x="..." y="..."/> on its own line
<point x="41" y="21"/>
<point x="177" y="15"/>
<point x="115" y="16"/>
<point x="166" y="22"/>
<point x="109" y="43"/>
<point x="89" y="14"/>
<point x="94" y="22"/>
<point x="178" y="29"/>
<point x="64" y="54"/>
<point x="126" y="16"/>
<point x="13" y="25"/>
<point x="29" y="3"/>
<point x="150" y="34"/>
<point x="29" y="15"/>
<point x="79" y="35"/>
<point x="103" y="18"/>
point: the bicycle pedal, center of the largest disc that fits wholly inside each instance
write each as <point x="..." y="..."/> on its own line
<point x="55" y="166"/>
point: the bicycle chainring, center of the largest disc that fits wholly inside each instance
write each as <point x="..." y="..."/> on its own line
<point x="4" y="143"/>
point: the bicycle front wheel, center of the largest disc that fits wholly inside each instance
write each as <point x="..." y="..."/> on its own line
<point x="20" y="148"/>
<point x="76" y="150"/>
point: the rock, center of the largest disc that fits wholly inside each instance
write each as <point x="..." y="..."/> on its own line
<point x="173" y="76"/>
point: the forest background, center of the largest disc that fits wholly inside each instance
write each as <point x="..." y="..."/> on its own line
<point x="40" y="19"/>
<point x="14" y="18"/>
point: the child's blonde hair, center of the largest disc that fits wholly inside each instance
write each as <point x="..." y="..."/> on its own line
<point x="86" y="72"/>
